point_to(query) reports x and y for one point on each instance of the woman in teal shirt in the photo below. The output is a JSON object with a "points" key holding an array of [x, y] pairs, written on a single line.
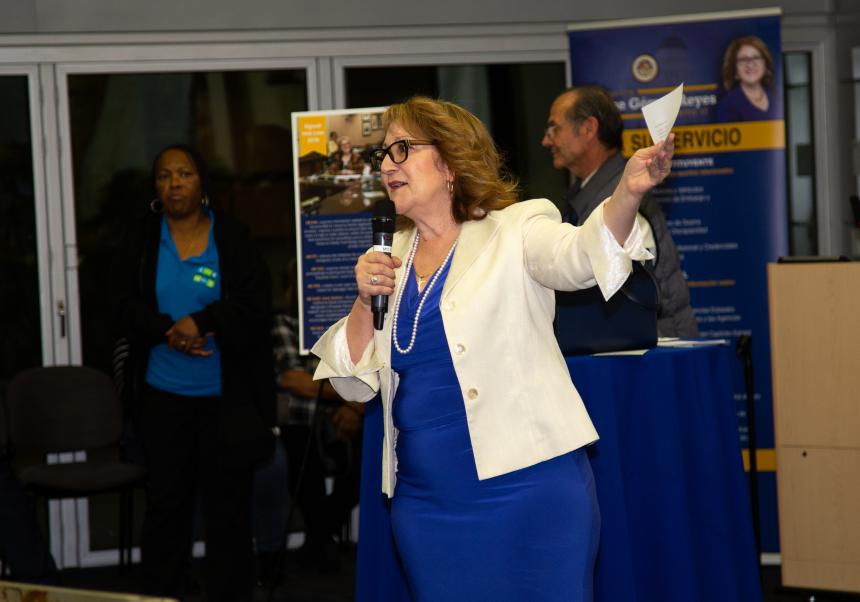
{"points": [[194, 301]]}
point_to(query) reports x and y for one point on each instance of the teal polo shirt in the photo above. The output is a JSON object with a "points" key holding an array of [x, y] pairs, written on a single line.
{"points": [[181, 288]]}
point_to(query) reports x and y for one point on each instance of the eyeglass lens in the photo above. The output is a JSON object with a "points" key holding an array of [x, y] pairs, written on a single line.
{"points": [[398, 151], [748, 60]]}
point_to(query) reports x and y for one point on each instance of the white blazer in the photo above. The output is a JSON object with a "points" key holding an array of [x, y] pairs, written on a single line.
{"points": [[497, 308]]}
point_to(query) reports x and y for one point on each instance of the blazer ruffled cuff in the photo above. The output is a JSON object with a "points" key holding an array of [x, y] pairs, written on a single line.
{"points": [[613, 263], [353, 381]]}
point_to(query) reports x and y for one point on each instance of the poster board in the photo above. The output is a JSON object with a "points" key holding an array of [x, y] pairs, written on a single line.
{"points": [[335, 189]]}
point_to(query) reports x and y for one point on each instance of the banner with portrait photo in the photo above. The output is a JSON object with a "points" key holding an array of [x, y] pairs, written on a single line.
{"points": [[725, 202], [335, 189]]}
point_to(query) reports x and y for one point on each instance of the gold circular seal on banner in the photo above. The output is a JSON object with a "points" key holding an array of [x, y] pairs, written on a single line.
{"points": [[644, 68]]}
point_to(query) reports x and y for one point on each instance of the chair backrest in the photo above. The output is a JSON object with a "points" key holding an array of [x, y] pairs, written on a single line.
{"points": [[62, 408]]}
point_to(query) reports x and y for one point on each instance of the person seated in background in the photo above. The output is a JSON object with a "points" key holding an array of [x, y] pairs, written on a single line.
{"points": [[321, 439], [584, 134], [346, 159]]}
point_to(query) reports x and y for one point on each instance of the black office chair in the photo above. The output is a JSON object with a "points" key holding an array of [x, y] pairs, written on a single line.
{"points": [[53, 410]]}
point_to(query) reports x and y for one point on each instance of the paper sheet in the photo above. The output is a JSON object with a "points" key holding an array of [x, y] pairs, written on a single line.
{"points": [[660, 115]]}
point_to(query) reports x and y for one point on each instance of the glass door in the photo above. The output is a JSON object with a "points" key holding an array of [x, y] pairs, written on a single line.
{"points": [[21, 346], [118, 116], [32, 292], [511, 97]]}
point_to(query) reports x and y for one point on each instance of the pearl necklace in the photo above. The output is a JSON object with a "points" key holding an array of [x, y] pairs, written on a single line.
{"points": [[424, 294]]}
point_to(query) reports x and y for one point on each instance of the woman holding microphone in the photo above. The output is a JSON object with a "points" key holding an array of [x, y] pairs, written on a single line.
{"points": [[492, 492]]}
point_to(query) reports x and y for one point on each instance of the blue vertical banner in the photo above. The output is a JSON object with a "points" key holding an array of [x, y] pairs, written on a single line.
{"points": [[725, 201]]}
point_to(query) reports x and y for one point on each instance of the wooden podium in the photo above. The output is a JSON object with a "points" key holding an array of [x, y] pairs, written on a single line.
{"points": [[815, 357]]}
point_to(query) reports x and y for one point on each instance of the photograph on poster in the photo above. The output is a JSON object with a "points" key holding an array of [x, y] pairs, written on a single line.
{"points": [[335, 190], [334, 171], [747, 75]]}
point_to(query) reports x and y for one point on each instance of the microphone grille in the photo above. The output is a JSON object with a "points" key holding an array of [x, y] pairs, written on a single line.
{"points": [[384, 209]]}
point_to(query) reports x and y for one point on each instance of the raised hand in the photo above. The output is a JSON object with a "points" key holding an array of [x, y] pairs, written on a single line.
{"points": [[648, 167], [645, 169]]}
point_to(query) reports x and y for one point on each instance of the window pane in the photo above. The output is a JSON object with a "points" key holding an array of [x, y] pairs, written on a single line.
{"points": [[800, 155], [21, 341], [512, 101], [240, 122]]}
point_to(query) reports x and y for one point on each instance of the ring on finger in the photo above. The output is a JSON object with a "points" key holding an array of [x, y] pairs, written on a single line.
{"points": [[374, 279]]}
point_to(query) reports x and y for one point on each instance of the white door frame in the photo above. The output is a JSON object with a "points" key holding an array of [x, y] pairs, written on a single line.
{"points": [[49, 237]]}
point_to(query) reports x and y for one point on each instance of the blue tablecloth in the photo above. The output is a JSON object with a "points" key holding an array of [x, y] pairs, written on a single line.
{"points": [[676, 523]]}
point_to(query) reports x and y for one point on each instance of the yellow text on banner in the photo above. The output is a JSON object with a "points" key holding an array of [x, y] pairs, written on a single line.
{"points": [[715, 137], [312, 134]]}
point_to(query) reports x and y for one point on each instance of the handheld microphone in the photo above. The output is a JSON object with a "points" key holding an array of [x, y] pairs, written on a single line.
{"points": [[383, 235]]}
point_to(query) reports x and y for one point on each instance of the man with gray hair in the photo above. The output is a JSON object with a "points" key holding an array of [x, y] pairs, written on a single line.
{"points": [[584, 134]]}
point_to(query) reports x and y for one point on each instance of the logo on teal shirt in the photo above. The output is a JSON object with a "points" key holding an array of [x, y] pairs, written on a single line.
{"points": [[206, 276]]}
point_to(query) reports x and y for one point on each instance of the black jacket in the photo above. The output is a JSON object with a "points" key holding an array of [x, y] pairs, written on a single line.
{"points": [[240, 321]]}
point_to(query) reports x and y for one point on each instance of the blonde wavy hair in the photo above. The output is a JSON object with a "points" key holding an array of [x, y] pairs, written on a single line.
{"points": [[480, 183]]}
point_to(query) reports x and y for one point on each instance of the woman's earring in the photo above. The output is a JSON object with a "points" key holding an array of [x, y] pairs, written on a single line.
{"points": [[155, 205], [204, 200], [451, 188]]}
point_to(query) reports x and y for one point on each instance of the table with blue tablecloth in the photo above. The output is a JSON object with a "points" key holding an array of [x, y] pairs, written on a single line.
{"points": [[675, 513]]}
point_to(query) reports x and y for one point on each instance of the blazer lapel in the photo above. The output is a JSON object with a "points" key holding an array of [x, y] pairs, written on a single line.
{"points": [[474, 236]]}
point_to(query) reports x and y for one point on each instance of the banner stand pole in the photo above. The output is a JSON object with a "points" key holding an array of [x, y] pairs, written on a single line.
{"points": [[744, 352]]}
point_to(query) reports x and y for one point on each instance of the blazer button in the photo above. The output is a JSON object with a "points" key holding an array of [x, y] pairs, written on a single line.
{"points": [[472, 394], [459, 349]]}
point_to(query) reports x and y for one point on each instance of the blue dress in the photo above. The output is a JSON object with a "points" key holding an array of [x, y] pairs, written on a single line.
{"points": [[530, 534]]}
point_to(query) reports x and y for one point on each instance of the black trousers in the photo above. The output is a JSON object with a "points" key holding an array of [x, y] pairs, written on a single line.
{"points": [[185, 459]]}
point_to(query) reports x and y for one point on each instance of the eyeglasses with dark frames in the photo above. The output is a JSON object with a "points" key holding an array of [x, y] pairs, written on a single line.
{"points": [[397, 150], [749, 60]]}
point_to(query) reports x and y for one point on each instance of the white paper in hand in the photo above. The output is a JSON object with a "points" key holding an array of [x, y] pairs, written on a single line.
{"points": [[660, 115]]}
